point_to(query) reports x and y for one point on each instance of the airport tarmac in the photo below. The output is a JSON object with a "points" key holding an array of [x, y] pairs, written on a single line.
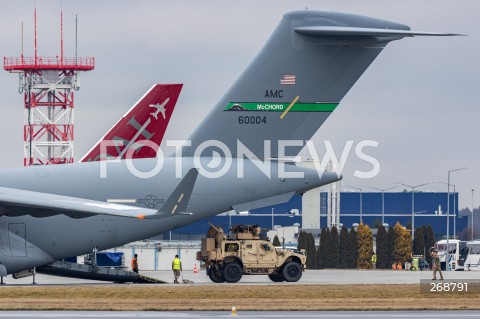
{"points": [[244, 314], [327, 276]]}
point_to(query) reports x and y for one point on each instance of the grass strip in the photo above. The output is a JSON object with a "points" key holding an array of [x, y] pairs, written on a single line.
{"points": [[223, 297]]}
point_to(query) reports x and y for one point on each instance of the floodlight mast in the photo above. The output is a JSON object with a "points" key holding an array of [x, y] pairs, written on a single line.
{"points": [[48, 85], [447, 256]]}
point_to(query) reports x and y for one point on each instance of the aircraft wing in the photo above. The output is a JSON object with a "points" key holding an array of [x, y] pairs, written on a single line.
{"points": [[17, 202]]}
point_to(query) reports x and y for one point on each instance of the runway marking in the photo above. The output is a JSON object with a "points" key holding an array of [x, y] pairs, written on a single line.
{"points": [[249, 314]]}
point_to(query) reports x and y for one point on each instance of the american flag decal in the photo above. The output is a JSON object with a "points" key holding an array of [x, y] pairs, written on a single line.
{"points": [[287, 79]]}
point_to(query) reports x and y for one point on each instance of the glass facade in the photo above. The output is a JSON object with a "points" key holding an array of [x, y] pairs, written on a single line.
{"points": [[430, 209]]}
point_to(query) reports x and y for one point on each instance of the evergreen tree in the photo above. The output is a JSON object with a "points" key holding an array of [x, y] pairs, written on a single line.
{"points": [[276, 241], [382, 248], [318, 258], [322, 248], [377, 223], [365, 247], [409, 225], [403, 244], [429, 243], [302, 241], [390, 246], [326, 251], [328, 247], [425, 238], [424, 232], [418, 242], [352, 249], [343, 248], [311, 252], [334, 248]]}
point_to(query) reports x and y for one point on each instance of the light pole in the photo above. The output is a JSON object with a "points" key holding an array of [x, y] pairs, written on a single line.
{"points": [[413, 201], [472, 215], [361, 209], [454, 212], [416, 213], [272, 218], [454, 208], [383, 199], [447, 256]]}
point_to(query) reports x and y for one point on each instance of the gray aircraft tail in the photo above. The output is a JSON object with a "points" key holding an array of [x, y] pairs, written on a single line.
{"points": [[297, 80]]}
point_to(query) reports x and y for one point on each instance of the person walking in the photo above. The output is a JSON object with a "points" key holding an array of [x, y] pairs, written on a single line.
{"points": [[374, 260], [436, 265], [177, 268], [135, 263]]}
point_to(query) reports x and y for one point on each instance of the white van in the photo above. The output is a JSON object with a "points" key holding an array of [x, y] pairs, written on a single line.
{"points": [[457, 253], [472, 262]]}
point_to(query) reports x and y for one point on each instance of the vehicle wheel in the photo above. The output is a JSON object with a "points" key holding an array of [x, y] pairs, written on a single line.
{"points": [[276, 277], [232, 272], [292, 272], [216, 275]]}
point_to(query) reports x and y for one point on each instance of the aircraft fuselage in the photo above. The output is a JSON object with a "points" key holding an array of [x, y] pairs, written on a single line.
{"points": [[28, 241]]}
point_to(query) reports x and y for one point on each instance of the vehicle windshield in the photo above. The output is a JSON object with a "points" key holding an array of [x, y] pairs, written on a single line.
{"points": [[441, 248], [474, 249]]}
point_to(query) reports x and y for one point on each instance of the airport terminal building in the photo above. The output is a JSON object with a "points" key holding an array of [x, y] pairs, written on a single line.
{"points": [[430, 208]]}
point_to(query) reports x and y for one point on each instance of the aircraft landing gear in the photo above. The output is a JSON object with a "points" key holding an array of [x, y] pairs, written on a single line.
{"points": [[34, 273]]}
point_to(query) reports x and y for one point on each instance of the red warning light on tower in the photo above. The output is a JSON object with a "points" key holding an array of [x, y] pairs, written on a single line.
{"points": [[48, 85]]}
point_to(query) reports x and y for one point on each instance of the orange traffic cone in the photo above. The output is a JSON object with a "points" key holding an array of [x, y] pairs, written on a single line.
{"points": [[195, 270]]}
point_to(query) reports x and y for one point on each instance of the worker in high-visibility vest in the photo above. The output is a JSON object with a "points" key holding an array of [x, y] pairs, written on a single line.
{"points": [[374, 260], [135, 263], [177, 268]]}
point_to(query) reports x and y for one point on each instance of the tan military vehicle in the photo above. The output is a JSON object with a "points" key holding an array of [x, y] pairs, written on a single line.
{"points": [[242, 252]]}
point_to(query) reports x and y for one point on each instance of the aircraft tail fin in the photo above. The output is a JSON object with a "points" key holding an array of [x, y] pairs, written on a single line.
{"points": [[147, 120], [177, 202], [297, 80]]}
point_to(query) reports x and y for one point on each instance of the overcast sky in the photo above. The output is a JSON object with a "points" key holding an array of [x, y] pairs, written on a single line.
{"points": [[419, 99]]}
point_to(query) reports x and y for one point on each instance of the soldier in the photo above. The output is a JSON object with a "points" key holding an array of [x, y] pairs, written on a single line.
{"points": [[436, 265], [177, 268]]}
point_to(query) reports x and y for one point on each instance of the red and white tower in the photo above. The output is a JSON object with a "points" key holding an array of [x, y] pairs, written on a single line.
{"points": [[48, 85]]}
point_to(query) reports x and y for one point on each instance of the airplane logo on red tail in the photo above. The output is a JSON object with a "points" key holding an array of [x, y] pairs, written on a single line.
{"points": [[140, 125], [160, 108]]}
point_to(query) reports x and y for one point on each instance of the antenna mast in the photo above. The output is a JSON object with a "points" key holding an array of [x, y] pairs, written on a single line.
{"points": [[61, 32], [48, 85]]}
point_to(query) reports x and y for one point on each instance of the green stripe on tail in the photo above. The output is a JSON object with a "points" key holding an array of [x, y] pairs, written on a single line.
{"points": [[280, 107]]}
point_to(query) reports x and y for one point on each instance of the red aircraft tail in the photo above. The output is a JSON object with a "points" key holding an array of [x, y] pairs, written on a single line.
{"points": [[147, 120]]}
